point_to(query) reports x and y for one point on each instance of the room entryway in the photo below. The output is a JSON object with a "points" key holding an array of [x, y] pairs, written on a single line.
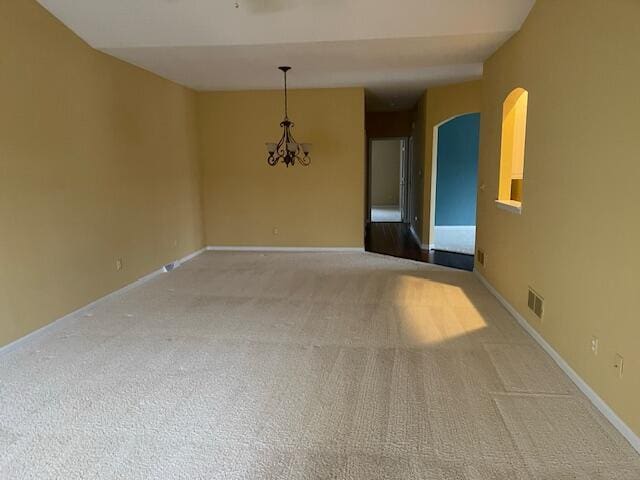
{"points": [[397, 240], [455, 175], [391, 205], [388, 180]]}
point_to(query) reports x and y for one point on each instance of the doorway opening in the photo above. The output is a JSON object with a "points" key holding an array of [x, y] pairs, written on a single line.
{"points": [[392, 204], [388, 185], [454, 184]]}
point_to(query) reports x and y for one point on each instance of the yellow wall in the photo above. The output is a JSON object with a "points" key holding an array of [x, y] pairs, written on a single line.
{"points": [[322, 205], [441, 104], [577, 240], [98, 161]]}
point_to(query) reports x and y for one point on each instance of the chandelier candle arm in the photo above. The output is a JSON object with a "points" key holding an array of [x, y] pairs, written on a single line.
{"points": [[287, 150]]}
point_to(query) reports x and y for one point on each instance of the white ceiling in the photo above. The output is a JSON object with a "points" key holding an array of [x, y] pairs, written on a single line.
{"points": [[393, 48]]}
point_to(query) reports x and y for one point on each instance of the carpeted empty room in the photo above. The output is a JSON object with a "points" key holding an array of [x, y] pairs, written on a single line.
{"points": [[299, 366], [319, 240]]}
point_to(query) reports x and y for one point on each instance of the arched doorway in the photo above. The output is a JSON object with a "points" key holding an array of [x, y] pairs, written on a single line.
{"points": [[454, 184]]}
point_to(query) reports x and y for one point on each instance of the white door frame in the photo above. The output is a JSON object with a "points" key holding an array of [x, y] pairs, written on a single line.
{"points": [[411, 207], [404, 180]]}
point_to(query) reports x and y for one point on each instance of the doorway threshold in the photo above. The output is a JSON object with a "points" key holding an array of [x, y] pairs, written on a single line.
{"points": [[396, 240]]}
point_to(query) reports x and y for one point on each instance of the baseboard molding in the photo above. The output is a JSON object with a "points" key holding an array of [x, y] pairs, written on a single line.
{"points": [[59, 323], [286, 249], [191, 256], [595, 399]]}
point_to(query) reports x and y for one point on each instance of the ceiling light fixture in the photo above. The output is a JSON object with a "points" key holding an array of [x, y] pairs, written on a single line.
{"points": [[287, 150]]}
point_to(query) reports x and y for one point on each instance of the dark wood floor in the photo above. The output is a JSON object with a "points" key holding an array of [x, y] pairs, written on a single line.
{"points": [[395, 239]]}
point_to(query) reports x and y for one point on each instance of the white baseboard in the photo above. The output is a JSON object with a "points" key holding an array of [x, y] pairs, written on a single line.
{"points": [[59, 323], [287, 249], [600, 404], [191, 256]]}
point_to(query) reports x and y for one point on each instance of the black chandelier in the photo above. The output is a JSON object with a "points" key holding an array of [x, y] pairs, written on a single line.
{"points": [[287, 150]]}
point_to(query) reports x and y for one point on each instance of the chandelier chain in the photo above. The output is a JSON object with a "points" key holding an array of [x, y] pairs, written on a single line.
{"points": [[287, 150], [286, 98]]}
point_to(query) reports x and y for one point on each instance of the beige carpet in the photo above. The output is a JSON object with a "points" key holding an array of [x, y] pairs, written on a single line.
{"points": [[299, 366]]}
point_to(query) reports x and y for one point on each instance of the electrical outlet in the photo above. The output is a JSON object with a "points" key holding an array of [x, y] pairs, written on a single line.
{"points": [[175, 242], [276, 231], [119, 264], [595, 344], [619, 365]]}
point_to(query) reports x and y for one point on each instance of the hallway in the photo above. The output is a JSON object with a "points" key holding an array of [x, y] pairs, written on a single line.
{"points": [[396, 240]]}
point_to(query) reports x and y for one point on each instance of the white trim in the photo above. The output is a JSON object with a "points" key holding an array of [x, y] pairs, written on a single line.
{"points": [[510, 206], [189, 257], [59, 323], [287, 249], [434, 179], [600, 404]]}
